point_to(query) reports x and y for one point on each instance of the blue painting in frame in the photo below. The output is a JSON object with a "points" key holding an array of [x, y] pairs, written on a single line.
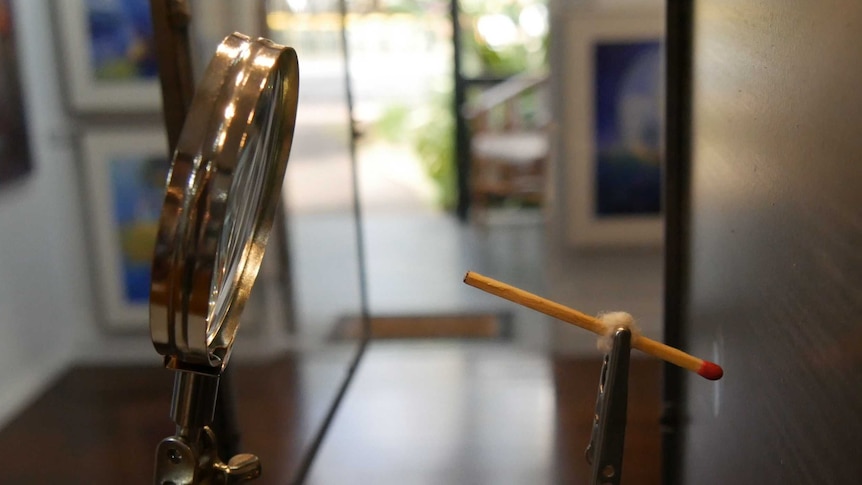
{"points": [[122, 42], [125, 170], [108, 51], [137, 192], [628, 128]]}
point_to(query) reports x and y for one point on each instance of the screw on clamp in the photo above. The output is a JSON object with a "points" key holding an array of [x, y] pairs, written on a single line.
{"points": [[191, 456], [179, 462]]}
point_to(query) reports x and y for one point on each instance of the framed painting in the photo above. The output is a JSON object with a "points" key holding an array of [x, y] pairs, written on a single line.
{"points": [[614, 115], [109, 52], [125, 175], [14, 146]]}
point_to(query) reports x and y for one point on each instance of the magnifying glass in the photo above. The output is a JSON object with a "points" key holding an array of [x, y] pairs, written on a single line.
{"points": [[223, 188]]}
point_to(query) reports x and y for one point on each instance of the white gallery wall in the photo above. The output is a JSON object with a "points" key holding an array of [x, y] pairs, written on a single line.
{"points": [[634, 272], [45, 307], [49, 316]]}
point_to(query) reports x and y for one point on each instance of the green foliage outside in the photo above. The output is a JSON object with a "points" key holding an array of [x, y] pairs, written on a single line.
{"points": [[430, 131], [480, 58], [435, 143]]}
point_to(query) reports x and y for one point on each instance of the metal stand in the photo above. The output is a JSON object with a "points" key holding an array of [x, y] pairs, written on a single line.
{"points": [[605, 451], [191, 456]]}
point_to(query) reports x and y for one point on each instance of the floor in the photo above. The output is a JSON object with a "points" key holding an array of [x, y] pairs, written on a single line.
{"points": [[416, 264]]}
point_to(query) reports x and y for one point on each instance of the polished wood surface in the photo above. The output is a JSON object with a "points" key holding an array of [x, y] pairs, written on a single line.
{"points": [[773, 281], [100, 425], [480, 413]]}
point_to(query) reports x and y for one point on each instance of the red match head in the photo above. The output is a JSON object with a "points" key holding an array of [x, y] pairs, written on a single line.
{"points": [[711, 371]]}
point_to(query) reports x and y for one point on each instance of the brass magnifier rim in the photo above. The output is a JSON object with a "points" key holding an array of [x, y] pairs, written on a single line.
{"points": [[246, 103]]}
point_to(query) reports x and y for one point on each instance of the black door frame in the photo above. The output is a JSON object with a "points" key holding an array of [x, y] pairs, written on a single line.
{"points": [[679, 60]]}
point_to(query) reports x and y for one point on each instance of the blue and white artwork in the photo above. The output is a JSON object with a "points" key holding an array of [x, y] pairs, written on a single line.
{"points": [[122, 43], [628, 128], [137, 193]]}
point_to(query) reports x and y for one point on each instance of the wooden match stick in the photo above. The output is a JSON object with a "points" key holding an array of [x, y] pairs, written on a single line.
{"points": [[704, 368]]}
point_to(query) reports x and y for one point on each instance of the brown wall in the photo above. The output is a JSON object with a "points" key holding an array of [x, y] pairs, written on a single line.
{"points": [[774, 274]]}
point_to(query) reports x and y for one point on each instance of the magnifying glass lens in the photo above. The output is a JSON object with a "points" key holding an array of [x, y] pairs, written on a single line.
{"points": [[223, 191], [243, 205]]}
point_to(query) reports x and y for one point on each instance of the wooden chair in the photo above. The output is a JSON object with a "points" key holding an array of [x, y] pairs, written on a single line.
{"points": [[509, 146]]}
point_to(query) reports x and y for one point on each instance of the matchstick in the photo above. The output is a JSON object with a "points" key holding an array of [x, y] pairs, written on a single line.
{"points": [[704, 368]]}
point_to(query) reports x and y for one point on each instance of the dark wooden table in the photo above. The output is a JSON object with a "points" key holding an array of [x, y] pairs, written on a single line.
{"points": [[416, 413]]}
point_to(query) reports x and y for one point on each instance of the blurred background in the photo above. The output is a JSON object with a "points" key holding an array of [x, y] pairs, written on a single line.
{"points": [[522, 139]]}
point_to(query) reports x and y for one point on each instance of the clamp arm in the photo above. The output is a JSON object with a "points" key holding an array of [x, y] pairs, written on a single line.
{"points": [[605, 451]]}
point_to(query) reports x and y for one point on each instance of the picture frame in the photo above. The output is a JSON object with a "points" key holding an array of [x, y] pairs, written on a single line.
{"points": [[125, 172], [108, 49], [614, 125], [15, 158]]}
